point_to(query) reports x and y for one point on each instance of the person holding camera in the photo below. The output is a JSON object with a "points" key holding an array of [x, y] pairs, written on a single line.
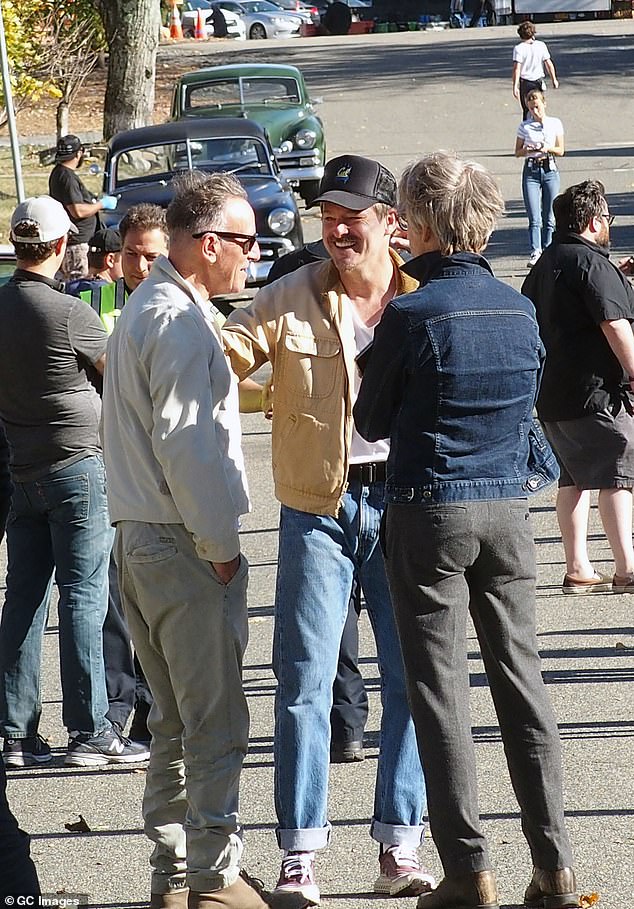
{"points": [[540, 141]]}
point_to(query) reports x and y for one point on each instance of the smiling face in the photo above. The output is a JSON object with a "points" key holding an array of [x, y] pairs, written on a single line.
{"points": [[232, 266], [353, 238]]}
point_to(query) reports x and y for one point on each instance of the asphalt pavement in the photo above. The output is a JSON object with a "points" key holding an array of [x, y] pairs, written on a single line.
{"points": [[394, 97]]}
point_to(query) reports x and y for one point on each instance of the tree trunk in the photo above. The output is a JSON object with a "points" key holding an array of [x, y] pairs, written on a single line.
{"points": [[61, 118], [132, 32]]}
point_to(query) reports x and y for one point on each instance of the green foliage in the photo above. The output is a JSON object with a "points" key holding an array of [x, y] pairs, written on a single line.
{"points": [[52, 45]]}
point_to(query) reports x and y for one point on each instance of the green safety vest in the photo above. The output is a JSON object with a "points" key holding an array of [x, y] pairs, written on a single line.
{"points": [[107, 300]]}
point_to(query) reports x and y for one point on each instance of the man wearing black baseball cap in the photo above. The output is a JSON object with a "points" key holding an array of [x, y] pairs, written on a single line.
{"points": [[104, 263], [81, 205], [311, 324]]}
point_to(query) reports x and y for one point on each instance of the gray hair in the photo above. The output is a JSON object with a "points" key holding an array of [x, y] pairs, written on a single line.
{"points": [[459, 201], [199, 201]]}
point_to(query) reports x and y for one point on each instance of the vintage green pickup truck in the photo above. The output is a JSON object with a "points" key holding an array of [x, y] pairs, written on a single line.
{"points": [[275, 96]]}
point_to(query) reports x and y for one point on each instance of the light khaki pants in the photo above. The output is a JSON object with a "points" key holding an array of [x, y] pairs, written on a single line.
{"points": [[190, 632]]}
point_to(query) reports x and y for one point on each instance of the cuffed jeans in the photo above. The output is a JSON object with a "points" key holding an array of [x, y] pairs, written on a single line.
{"points": [[444, 561], [190, 632], [539, 188], [59, 522], [318, 556]]}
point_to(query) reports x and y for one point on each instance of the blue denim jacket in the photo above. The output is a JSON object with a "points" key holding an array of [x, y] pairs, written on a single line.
{"points": [[452, 380]]}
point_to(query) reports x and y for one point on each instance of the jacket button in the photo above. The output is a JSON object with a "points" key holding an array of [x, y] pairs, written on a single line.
{"points": [[427, 494]]}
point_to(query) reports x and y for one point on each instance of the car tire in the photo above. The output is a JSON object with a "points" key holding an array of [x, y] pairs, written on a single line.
{"points": [[309, 190], [257, 32]]}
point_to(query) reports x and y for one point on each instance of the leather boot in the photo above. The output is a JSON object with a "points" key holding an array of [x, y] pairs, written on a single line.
{"points": [[246, 893], [177, 899], [552, 890], [475, 890]]}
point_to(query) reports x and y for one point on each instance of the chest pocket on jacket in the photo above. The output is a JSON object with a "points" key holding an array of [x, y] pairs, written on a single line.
{"points": [[310, 365]]}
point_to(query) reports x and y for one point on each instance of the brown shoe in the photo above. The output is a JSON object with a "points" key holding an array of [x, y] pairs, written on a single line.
{"points": [[246, 893], [177, 899], [476, 890], [552, 890]]}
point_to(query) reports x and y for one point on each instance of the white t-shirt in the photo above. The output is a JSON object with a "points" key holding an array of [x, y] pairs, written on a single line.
{"points": [[531, 55], [532, 132], [361, 451]]}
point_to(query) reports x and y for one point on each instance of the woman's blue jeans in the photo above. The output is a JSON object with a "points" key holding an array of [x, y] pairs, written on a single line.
{"points": [[318, 556], [58, 529], [539, 188]]}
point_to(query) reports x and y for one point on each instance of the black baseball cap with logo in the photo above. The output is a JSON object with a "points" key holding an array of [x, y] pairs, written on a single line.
{"points": [[356, 183], [105, 240], [67, 147]]}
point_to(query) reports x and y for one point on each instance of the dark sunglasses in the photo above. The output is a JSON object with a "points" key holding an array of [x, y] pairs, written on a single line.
{"points": [[246, 242]]}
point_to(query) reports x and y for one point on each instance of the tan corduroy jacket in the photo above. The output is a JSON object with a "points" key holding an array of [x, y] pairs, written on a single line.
{"points": [[303, 325]]}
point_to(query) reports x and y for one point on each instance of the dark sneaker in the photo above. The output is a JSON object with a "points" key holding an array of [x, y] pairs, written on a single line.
{"points": [[109, 747], [26, 752], [346, 752], [402, 873]]}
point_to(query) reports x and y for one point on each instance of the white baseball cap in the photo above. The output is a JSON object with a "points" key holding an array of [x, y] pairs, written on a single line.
{"points": [[47, 215]]}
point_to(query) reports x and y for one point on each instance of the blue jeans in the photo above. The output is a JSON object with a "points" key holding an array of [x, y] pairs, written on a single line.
{"points": [[318, 556], [58, 523], [539, 188]]}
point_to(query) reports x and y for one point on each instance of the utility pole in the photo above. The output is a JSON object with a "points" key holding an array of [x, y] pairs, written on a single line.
{"points": [[8, 101]]}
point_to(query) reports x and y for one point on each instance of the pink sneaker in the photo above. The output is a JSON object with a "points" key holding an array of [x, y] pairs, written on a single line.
{"points": [[297, 875], [402, 873]]}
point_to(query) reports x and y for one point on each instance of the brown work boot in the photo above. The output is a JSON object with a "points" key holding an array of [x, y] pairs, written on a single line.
{"points": [[475, 890], [177, 899], [246, 893], [552, 890]]}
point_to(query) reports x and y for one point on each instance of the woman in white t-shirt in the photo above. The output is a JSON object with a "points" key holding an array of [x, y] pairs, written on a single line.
{"points": [[540, 141], [531, 61]]}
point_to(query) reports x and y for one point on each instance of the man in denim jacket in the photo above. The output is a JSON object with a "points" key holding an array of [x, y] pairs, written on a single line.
{"points": [[452, 379]]}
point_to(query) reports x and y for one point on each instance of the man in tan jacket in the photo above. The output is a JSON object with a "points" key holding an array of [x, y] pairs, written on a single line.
{"points": [[311, 325]]}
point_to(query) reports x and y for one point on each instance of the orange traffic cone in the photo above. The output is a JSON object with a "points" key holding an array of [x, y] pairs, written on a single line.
{"points": [[200, 33], [176, 28]]}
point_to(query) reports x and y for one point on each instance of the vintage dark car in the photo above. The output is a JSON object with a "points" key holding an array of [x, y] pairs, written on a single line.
{"points": [[140, 165], [275, 96]]}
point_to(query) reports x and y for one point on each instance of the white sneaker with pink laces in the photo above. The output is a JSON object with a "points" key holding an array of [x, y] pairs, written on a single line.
{"points": [[297, 875], [402, 873]]}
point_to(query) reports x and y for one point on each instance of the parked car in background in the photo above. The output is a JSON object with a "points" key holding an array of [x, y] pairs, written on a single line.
{"points": [[264, 19], [275, 96], [360, 9], [306, 11], [141, 164], [236, 27]]}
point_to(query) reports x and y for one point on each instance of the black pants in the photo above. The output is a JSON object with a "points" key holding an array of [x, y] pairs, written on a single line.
{"points": [[444, 562], [125, 682], [349, 712], [18, 876]]}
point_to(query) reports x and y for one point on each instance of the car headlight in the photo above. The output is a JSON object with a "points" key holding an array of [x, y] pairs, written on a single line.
{"points": [[281, 221], [279, 21], [305, 138]]}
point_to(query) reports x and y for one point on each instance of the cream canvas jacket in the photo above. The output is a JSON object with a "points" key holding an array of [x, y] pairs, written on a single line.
{"points": [[302, 324]]}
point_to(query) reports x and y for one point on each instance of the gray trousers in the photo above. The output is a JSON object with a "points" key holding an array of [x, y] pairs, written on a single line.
{"points": [[444, 561], [190, 632]]}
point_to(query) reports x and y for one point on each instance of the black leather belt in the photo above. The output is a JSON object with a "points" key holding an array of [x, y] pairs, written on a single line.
{"points": [[369, 472]]}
